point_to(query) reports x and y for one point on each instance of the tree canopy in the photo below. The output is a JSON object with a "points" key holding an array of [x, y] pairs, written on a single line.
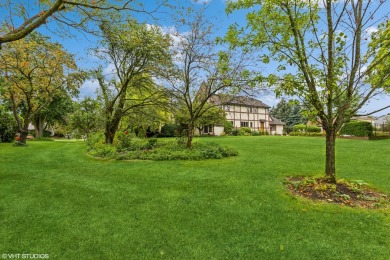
{"points": [[35, 70], [22, 19], [321, 49]]}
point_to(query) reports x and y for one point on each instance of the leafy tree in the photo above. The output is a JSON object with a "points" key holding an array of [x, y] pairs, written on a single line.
{"points": [[202, 70], [72, 13], [322, 44], [35, 71], [137, 52], [86, 116], [288, 112], [55, 112], [7, 125]]}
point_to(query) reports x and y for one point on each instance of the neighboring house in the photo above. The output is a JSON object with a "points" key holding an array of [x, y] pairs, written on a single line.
{"points": [[382, 120], [246, 112]]}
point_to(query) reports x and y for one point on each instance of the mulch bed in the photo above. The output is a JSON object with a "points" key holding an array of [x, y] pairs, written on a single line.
{"points": [[352, 194]]}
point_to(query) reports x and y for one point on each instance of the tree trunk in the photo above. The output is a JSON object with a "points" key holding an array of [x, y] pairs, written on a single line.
{"points": [[330, 164], [23, 136], [39, 125], [190, 134], [109, 134]]}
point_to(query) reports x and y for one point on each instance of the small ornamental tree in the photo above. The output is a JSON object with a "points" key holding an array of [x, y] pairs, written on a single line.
{"points": [[202, 69], [324, 55]]}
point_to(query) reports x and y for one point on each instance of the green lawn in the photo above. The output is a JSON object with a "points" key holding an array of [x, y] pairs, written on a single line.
{"points": [[56, 200]]}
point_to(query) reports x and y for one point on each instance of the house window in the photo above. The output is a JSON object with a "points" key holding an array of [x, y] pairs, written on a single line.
{"points": [[251, 124], [244, 124], [273, 127], [232, 123], [208, 129], [227, 108]]}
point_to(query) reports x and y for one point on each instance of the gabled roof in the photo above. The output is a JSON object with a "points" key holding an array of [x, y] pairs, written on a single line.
{"points": [[239, 100], [275, 121]]}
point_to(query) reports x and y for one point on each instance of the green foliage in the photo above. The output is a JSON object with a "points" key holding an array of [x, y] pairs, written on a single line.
{"points": [[170, 130], [245, 131], [7, 126], [357, 128], [177, 151], [86, 116], [306, 134], [299, 128], [289, 113], [306, 128], [313, 129], [228, 127], [127, 146], [235, 132]]}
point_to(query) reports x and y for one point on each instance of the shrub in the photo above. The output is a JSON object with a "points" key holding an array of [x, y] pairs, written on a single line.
{"points": [[235, 132], [7, 126], [313, 129], [256, 133], [299, 128], [46, 133], [228, 127], [103, 150], [122, 140], [170, 130], [306, 134], [357, 128], [245, 131]]}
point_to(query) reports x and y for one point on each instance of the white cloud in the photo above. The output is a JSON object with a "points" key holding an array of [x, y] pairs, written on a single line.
{"points": [[89, 88], [371, 30]]}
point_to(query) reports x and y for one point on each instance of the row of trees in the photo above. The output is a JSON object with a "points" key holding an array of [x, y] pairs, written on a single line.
{"points": [[322, 49], [151, 74]]}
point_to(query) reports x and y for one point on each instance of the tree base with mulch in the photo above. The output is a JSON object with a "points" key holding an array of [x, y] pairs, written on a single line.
{"points": [[352, 193]]}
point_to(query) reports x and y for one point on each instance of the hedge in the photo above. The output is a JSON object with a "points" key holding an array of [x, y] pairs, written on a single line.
{"points": [[357, 128]]}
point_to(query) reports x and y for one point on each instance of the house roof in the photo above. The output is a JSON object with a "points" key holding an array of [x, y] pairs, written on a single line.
{"points": [[275, 121], [382, 119], [240, 100]]}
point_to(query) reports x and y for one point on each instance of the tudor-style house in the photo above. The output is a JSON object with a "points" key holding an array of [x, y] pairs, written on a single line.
{"points": [[244, 111]]}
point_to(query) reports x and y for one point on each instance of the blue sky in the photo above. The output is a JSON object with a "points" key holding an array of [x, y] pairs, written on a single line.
{"points": [[215, 10]]}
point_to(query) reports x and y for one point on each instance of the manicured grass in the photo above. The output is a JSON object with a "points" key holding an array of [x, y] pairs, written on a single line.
{"points": [[56, 200]]}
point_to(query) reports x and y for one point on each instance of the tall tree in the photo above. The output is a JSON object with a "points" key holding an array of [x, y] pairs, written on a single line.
{"points": [[137, 52], [21, 18], [86, 116], [288, 112], [56, 111], [323, 45], [203, 69], [35, 70]]}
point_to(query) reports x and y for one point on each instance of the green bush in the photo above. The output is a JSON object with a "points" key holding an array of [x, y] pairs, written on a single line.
{"points": [[357, 128], [313, 129], [235, 132], [299, 128], [256, 133], [7, 126], [170, 130], [245, 131], [306, 134], [103, 150], [228, 127], [122, 140], [306, 128]]}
